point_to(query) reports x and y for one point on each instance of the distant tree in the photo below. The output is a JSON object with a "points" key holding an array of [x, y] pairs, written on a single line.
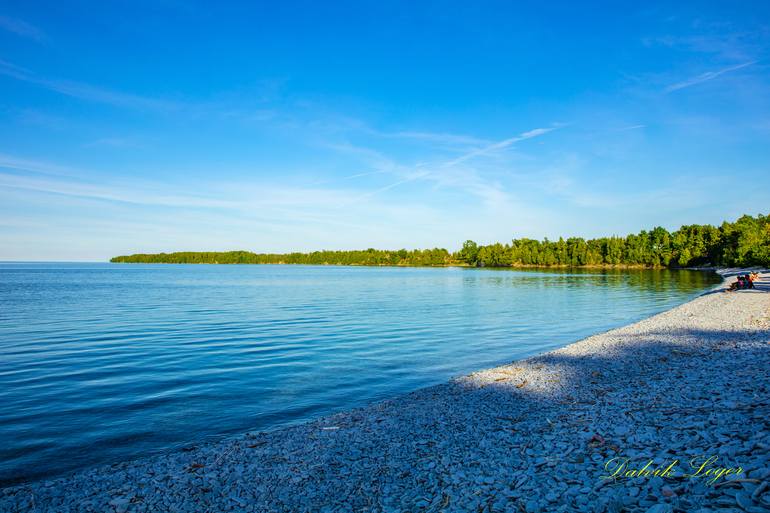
{"points": [[469, 253], [744, 242]]}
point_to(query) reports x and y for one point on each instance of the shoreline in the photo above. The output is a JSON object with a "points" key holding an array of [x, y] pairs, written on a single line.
{"points": [[535, 434], [460, 265]]}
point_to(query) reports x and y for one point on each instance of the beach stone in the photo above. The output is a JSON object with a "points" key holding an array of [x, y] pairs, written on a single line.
{"points": [[744, 500], [660, 508], [120, 505], [532, 506]]}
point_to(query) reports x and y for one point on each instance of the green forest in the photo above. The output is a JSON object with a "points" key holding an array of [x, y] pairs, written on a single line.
{"points": [[745, 242]]}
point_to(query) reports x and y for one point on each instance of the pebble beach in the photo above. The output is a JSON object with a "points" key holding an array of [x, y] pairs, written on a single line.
{"points": [[670, 414]]}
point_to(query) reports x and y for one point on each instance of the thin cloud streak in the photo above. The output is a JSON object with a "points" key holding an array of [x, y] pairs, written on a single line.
{"points": [[22, 28], [114, 142], [34, 166], [85, 91], [705, 77], [499, 145], [251, 201], [456, 142], [280, 208], [448, 173], [121, 195], [441, 138], [388, 187]]}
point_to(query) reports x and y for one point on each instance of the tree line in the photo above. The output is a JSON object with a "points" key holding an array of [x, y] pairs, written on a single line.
{"points": [[745, 242], [415, 257]]}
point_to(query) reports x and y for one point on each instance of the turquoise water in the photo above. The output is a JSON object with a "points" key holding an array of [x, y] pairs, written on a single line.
{"points": [[106, 362]]}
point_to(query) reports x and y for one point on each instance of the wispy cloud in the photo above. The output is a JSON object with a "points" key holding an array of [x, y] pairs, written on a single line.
{"points": [[437, 137], [491, 148], [295, 202], [87, 92], [113, 142], [720, 41], [460, 173], [379, 164], [442, 173], [115, 194], [321, 217], [39, 118], [22, 164], [336, 123], [46, 177], [705, 77], [22, 28], [415, 176]]}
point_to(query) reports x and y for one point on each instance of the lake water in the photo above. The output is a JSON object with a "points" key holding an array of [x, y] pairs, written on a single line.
{"points": [[106, 362]]}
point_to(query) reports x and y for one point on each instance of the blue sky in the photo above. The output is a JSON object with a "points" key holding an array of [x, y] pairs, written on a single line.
{"points": [[276, 126]]}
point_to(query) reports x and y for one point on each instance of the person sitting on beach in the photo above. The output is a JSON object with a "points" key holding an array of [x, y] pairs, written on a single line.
{"points": [[744, 281]]}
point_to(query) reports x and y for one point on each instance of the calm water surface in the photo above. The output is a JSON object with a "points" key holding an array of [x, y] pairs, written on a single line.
{"points": [[106, 362]]}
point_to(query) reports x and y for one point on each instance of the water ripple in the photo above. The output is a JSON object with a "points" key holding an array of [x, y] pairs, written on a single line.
{"points": [[102, 363]]}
